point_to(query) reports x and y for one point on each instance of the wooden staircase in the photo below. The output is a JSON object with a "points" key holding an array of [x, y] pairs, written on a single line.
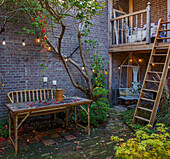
{"points": [[154, 80]]}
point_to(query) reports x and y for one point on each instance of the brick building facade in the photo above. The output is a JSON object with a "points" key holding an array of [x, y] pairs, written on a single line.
{"points": [[20, 66]]}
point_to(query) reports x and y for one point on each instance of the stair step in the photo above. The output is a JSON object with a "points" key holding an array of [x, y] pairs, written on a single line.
{"points": [[152, 81], [150, 100], [159, 55], [162, 46], [154, 72], [165, 22], [138, 117], [150, 90], [164, 30], [156, 63], [149, 110], [163, 38]]}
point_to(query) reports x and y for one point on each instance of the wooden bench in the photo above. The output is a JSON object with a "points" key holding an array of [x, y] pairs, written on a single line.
{"points": [[36, 95]]}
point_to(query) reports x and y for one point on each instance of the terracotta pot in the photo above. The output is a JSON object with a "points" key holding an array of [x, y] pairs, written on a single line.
{"points": [[59, 94]]}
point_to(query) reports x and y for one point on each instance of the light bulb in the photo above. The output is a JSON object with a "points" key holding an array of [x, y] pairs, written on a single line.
{"points": [[38, 40], [93, 70], [4, 42], [140, 60], [119, 67], [130, 60], [169, 67], [49, 48], [23, 43], [153, 64], [66, 59], [82, 68]]}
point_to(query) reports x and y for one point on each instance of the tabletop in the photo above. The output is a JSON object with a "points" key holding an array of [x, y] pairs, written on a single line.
{"points": [[46, 104]]}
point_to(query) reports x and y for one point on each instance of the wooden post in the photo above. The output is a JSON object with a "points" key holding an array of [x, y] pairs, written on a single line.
{"points": [[110, 75], [148, 24], [130, 11], [130, 72], [75, 113], [88, 110], [67, 117], [110, 27], [130, 6], [16, 133], [9, 124]]}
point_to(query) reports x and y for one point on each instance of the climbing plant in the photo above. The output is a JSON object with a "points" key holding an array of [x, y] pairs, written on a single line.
{"points": [[46, 16]]}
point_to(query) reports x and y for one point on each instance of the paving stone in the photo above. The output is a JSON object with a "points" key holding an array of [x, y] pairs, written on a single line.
{"points": [[48, 142], [46, 154], [69, 137], [56, 135], [33, 140], [65, 133]]}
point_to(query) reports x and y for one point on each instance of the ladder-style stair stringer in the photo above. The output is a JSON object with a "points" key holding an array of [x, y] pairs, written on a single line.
{"points": [[147, 80]]}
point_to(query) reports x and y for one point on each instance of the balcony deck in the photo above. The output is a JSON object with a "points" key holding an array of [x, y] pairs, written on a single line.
{"points": [[139, 47]]}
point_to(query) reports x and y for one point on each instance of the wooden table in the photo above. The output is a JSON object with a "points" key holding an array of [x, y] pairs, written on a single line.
{"points": [[35, 108]]}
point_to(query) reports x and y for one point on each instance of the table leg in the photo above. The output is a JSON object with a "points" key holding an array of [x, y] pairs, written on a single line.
{"points": [[9, 124], [67, 117], [88, 110], [15, 133], [75, 112]]}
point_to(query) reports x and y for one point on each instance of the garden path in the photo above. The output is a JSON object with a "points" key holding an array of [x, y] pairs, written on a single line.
{"points": [[47, 141]]}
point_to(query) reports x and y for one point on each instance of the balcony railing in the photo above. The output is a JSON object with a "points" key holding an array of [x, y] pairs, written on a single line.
{"points": [[130, 28]]}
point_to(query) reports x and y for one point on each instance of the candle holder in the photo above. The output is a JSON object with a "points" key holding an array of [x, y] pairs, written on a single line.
{"points": [[45, 79], [54, 84]]}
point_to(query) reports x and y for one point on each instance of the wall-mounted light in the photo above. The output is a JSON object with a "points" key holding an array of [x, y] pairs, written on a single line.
{"points": [[130, 60], [4, 42], [119, 67], [38, 39], [140, 59], [23, 42]]}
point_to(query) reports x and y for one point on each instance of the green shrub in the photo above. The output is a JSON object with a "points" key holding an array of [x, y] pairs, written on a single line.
{"points": [[98, 113], [100, 106], [149, 143], [3, 129]]}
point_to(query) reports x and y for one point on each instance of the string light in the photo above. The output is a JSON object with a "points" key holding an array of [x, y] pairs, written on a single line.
{"points": [[23, 42], [66, 59], [130, 60], [38, 40], [169, 67], [140, 59], [93, 70], [4, 42], [153, 64], [82, 68], [119, 67], [49, 48]]}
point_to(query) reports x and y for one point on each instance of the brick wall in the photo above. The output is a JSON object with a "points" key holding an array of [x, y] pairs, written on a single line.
{"points": [[123, 4], [158, 8], [20, 66]]}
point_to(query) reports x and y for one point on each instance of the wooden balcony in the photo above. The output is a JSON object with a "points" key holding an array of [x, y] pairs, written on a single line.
{"points": [[139, 47], [134, 32]]}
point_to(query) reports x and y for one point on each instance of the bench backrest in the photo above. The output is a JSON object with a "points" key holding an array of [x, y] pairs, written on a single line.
{"points": [[31, 95]]}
